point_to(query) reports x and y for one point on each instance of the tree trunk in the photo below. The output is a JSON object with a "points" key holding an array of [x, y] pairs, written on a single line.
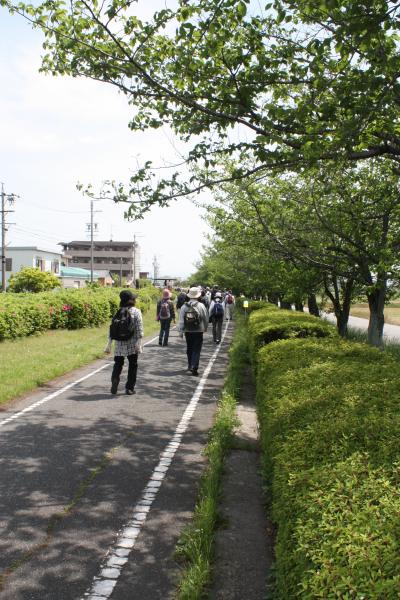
{"points": [[286, 305], [299, 306], [313, 306], [342, 310], [376, 302], [273, 299]]}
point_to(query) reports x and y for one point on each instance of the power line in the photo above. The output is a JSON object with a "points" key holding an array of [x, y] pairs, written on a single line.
{"points": [[38, 234], [58, 210]]}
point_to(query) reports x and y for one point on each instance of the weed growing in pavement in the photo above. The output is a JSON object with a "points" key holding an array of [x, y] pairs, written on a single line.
{"points": [[196, 545]]}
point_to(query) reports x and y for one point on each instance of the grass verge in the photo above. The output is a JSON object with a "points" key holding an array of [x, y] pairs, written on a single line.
{"points": [[32, 361], [392, 312], [196, 545]]}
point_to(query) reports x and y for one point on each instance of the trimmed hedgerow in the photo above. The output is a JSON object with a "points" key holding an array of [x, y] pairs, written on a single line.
{"points": [[26, 314], [329, 414], [269, 324], [254, 304]]}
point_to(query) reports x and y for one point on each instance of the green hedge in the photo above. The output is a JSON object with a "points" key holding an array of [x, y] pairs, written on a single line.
{"points": [[253, 304], [329, 415], [26, 314], [270, 323]]}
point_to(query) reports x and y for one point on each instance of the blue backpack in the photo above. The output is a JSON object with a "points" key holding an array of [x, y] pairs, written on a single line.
{"points": [[218, 310]]}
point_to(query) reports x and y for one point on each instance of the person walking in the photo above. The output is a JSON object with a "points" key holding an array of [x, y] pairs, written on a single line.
{"points": [[165, 314], [204, 298], [127, 323], [217, 313], [229, 303], [193, 322], [181, 299]]}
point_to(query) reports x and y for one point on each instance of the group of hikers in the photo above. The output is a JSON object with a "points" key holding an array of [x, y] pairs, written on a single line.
{"points": [[197, 307]]}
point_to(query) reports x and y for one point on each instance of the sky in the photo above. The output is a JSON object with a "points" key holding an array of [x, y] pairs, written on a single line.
{"points": [[58, 131]]}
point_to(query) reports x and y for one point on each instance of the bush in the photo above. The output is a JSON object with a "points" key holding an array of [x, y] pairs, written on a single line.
{"points": [[329, 415], [254, 304], [26, 314], [270, 323], [30, 279]]}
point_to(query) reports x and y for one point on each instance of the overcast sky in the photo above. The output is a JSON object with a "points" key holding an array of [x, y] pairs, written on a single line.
{"points": [[55, 132]]}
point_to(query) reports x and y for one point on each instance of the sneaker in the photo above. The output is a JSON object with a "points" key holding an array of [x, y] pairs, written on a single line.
{"points": [[159, 342], [129, 392], [195, 372], [114, 387], [166, 344]]}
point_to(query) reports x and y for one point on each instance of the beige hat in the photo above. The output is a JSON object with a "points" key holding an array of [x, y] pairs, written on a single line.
{"points": [[194, 292]]}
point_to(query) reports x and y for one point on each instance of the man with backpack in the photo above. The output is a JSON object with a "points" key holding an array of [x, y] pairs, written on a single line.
{"points": [[217, 316], [193, 322], [165, 314], [229, 303], [127, 330]]}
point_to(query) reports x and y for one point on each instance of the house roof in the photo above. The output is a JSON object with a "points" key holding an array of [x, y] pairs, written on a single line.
{"points": [[76, 272], [101, 273], [97, 242], [35, 248]]}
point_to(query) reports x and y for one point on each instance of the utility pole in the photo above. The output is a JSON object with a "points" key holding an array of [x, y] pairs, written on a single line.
{"points": [[134, 260], [91, 226], [120, 271], [10, 199]]}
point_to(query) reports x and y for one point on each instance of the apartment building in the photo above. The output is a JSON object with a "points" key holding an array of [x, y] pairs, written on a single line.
{"points": [[119, 258]]}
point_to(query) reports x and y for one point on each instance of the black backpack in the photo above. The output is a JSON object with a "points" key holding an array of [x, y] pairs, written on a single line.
{"points": [[122, 325], [191, 318], [181, 300]]}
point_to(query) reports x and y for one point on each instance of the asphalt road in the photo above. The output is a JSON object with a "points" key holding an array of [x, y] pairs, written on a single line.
{"points": [[390, 332], [95, 489]]}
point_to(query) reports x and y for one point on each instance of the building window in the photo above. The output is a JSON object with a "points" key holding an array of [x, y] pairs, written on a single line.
{"points": [[55, 266], [40, 264]]}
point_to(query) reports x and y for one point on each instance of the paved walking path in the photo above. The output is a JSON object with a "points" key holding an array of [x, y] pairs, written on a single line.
{"points": [[95, 489], [244, 546]]}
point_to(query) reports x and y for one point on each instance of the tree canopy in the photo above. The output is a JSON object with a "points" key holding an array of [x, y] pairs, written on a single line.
{"points": [[285, 85]]}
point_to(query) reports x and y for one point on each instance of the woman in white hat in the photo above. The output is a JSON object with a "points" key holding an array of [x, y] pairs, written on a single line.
{"points": [[193, 322]]}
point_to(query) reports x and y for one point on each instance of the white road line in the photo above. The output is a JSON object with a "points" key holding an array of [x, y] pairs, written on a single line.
{"points": [[28, 409], [118, 555]]}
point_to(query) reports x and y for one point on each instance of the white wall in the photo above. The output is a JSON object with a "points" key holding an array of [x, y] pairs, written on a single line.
{"points": [[27, 258]]}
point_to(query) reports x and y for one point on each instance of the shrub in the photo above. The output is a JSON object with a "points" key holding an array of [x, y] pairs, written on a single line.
{"points": [[269, 324], [26, 314], [254, 304], [330, 430], [30, 279]]}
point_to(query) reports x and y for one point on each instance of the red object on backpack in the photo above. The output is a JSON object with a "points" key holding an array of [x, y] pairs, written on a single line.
{"points": [[229, 299]]}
